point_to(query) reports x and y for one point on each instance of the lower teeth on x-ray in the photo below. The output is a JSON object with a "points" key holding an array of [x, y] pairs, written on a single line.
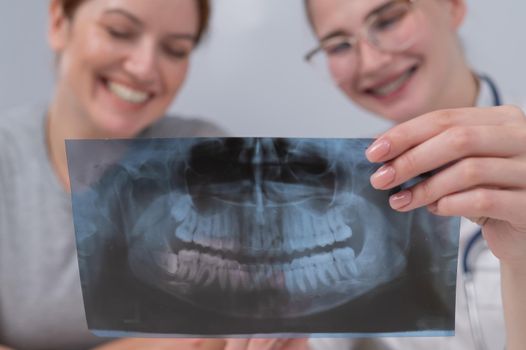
{"points": [[172, 233]]}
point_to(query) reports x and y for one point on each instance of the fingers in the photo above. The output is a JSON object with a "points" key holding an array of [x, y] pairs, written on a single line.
{"points": [[162, 344], [237, 344], [463, 175], [505, 205], [407, 135], [449, 146], [267, 344], [297, 344]]}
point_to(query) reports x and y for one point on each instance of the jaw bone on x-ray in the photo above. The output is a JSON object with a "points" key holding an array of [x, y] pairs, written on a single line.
{"points": [[224, 236]]}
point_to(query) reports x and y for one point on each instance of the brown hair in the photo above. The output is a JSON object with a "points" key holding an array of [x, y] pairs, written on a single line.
{"points": [[203, 6]]}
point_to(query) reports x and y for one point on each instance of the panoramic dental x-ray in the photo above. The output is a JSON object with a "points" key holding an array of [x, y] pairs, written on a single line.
{"points": [[238, 236]]}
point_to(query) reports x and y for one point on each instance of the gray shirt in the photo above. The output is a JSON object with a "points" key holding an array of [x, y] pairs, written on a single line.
{"points": [[40, 297]]}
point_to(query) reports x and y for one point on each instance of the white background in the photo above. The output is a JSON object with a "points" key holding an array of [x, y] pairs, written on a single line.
{"points": [[249, 76]]}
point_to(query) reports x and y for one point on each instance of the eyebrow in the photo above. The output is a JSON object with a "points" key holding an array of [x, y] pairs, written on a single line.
{"points": [[380, 9], [333, 34], [374, 12], [139, 23]]}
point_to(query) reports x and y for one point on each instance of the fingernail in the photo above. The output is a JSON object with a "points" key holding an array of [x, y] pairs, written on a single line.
{"points": [[400, 200], [380, 148], [383, 176]]}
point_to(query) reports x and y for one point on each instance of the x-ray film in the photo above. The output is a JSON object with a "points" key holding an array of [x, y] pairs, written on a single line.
{"points": [[240, 236]]}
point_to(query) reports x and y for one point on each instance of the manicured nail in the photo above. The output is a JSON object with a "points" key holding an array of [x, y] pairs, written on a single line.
{"points": [[380, 148], [400, 200], [383, 176]]}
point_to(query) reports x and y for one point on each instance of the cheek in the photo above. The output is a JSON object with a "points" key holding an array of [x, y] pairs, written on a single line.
{"points": [[97, 52], [174, 75], [84, 55], [342, 72]]}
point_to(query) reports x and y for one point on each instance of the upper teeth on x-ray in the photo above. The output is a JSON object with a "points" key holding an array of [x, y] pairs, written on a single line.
{"points": [[254, 228]]}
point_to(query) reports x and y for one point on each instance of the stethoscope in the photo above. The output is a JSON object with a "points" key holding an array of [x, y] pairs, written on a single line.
{"points": [[474, 247]]}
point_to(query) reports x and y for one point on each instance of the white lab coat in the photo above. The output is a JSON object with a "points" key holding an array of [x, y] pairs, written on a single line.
{"points": [[489, 301]]}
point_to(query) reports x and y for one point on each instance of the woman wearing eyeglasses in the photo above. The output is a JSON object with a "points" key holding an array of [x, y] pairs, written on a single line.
{"points": [[403, 60], [119, 64]]}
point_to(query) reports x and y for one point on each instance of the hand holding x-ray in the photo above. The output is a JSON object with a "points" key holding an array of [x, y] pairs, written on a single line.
{"points": [[482, 156]]}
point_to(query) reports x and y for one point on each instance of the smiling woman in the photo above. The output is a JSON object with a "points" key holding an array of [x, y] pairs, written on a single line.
{"points": [[402, 60], [120, 63]]}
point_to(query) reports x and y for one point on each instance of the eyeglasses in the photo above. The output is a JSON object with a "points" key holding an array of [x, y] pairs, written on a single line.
{"points": [[392, 27]]}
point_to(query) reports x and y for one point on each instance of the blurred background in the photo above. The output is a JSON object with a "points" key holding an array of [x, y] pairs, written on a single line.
{"points": [[249, 75]]}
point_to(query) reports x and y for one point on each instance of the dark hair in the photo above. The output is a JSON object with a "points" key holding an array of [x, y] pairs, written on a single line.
{"points": [[203, 6]]}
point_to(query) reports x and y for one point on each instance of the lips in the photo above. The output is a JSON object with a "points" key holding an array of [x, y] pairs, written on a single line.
{"points": [[391, 85], [125, 93]]}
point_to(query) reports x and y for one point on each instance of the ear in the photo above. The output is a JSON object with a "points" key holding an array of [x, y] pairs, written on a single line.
{"points": [[457, 9], [57, 26]]}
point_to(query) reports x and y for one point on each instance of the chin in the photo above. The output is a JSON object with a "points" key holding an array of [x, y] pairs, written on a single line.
{"points": [[398, 112], [121, 124]]}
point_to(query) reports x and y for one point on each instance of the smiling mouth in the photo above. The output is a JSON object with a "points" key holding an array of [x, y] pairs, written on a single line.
{"points": [[394, 85], [126, 93]]}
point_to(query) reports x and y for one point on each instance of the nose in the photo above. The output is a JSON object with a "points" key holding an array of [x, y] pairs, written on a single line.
{"points": [[142, 62], [371, 58]]}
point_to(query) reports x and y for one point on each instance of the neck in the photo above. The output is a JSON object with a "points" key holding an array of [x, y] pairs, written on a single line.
{"points": [[462, 90], [63, 122]]}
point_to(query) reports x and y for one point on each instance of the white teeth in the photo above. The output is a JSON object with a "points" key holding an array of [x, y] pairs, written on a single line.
{"points": [[345, 262], [325, 266], [229, 244], [307, 231], [339, 229], [275, 230], [343, 233], [189, 261], [300, 280], [392, 86], [278, 276], [301, 276], [127, 94], [310, 273], [257, 276], [180, 207], [168, 262], [299, 273], [268, 272], [295, 230], [201, 234], [323, 234], [215, 230], [182, 272], [288, 273], [185, 231], [255, 237], [207, 269]]}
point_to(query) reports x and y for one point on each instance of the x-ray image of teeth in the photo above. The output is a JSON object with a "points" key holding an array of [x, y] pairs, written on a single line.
{"points": [[233, 236]]}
